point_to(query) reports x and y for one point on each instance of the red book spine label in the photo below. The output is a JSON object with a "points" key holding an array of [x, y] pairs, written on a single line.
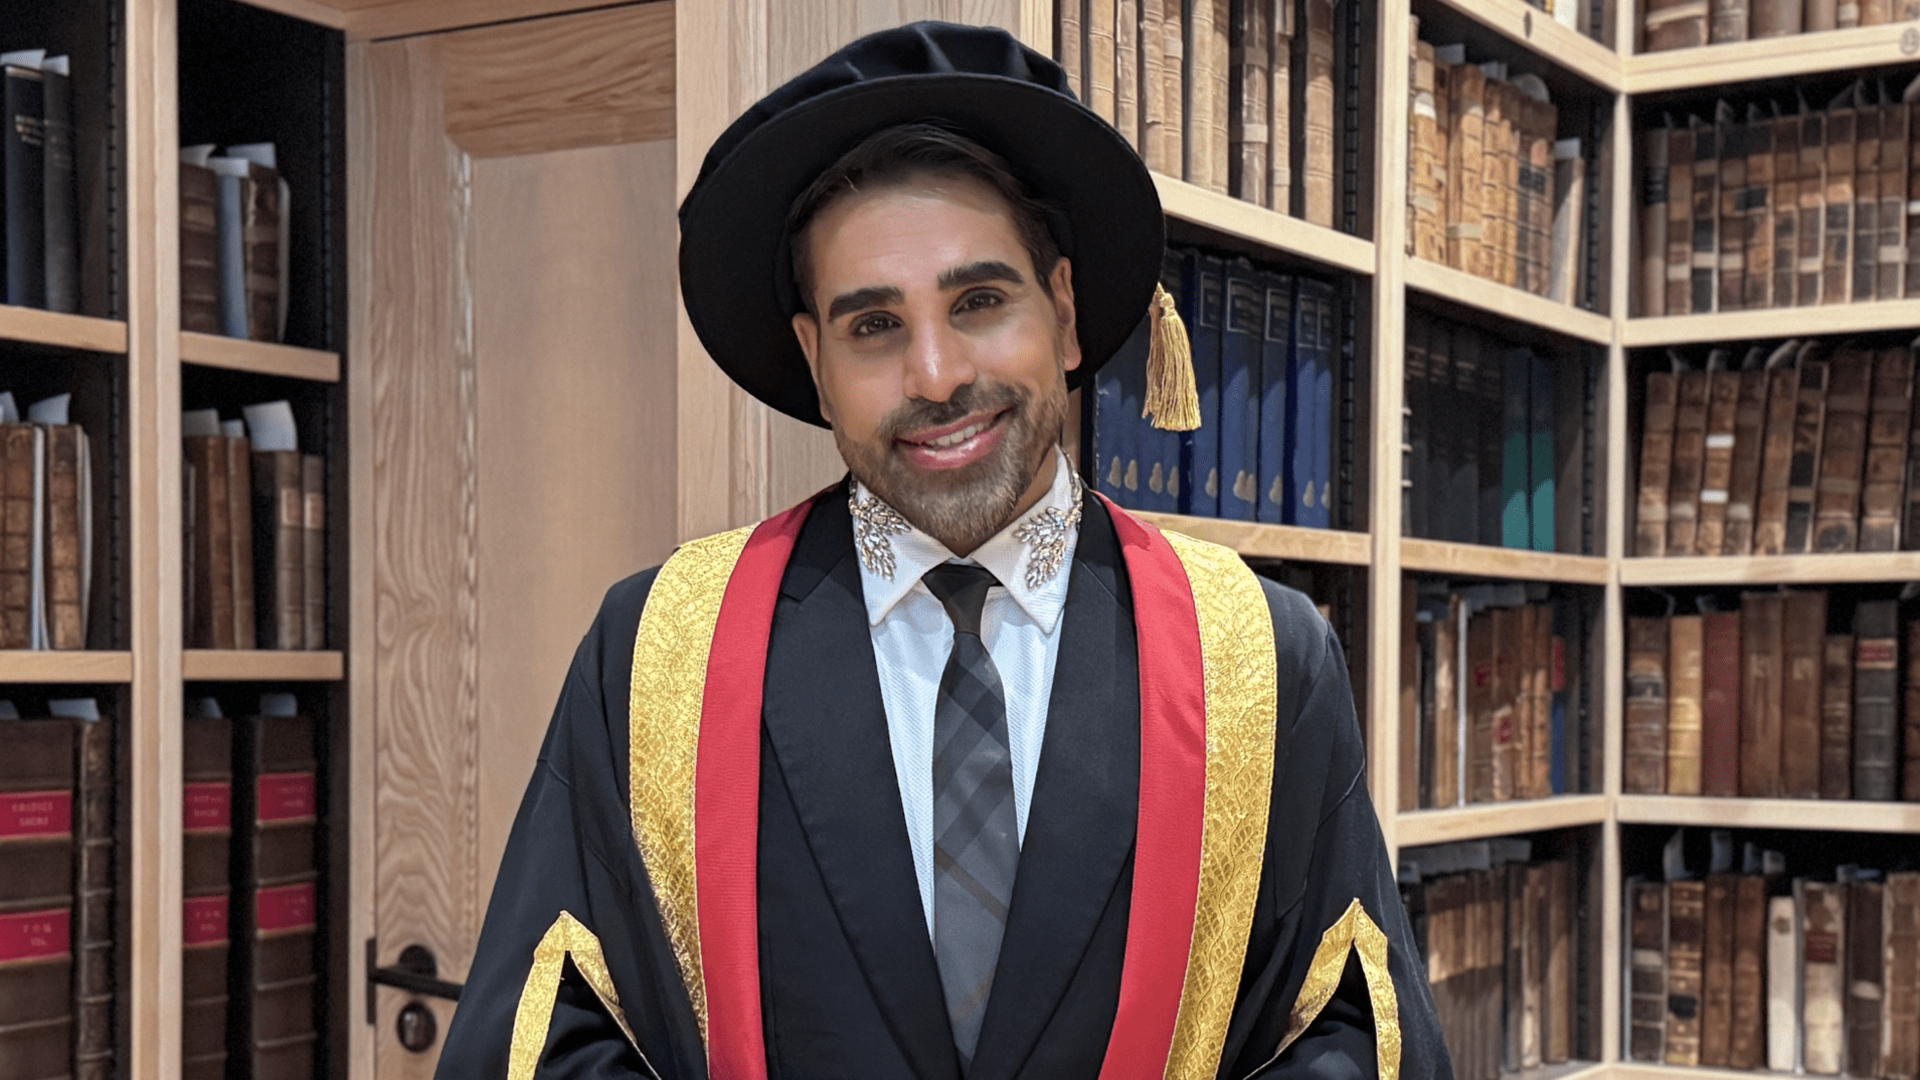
{"points": [[285, 796], [1483, 675], [36, 813], [1878, 652], [205, 920], [284, 907], [209, 806], [1559, 664], [1823, 947], [36, 935]]}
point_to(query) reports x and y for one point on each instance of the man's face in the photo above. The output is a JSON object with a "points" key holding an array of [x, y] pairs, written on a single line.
{"points": [[940, 361]]}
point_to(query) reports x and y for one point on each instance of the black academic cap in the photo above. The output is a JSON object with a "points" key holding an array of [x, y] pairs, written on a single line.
{"points": [[735, 265]]}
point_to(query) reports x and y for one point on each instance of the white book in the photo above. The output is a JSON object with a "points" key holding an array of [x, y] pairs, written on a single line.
{"points": [[1783, 985], [1823, 955]]}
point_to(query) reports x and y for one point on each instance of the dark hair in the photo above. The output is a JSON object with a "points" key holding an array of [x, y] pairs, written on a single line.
{"points": [[919, 148]]}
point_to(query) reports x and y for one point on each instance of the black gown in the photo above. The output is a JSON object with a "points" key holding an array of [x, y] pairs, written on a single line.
{"points": [[849, 986]]}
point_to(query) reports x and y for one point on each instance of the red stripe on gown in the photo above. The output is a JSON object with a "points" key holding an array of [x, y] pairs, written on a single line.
{"points": [[726, 801], [1173, 777]]}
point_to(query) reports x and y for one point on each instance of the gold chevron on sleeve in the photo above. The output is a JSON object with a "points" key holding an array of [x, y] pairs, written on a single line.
{"points": [[565, 939], [1355, 932]]}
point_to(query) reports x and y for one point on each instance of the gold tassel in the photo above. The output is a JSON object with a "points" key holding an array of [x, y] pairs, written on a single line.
{"points": [[1172, 401]]}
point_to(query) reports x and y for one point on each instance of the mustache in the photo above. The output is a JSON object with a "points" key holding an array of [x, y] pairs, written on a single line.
{"points": [[917, 414]]}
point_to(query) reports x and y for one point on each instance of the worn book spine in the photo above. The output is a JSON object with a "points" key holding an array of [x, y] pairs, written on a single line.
{"points": [[1866, 201], [1776, 462], [1126, 70], [1646, 723], [1557, 1042], [1651, 296], [271, 976], [1173, 89], [1716, 994], [1521, 1022], [1900, 930], [200, 248], [1720, 704], [1316, 113], [279, 548], [1836, 717], [1743, 482], [260, 235], [213, 548], [240, 537], [1730, 279], [1812, 200], [1543, 746], [66, 627], [1480, 708], [1680, 220], [1509, 703], [1865, 977], [1883, 477], [1647, 970], [1727, 21], [1836, 504], [1689, 461], [1891, 258], [1466, 154], [61, 180], [37, 819], [1757, 207], [1069, 45], [1822, 957], [1774, 18], [1910, 770], [1746, 1042], [1280, 111], [23, 170], [1910, 510], [1540, 156], [1686, 938], [1809, 419], [94, 910], [207, 775], [1785, 207], [1446, 705], [1716, 475], [1098, 66], [1411, 662], [1876, 689], [1675, 24], [1704, 261], [1494, 252], [1656, 464], [1247, 131], [1836, 258], [1761, 617], [1783, 984], [1686, 680], [1803, 628], [313, 572], [1197, 20], [16, 541], [1153, 86]]}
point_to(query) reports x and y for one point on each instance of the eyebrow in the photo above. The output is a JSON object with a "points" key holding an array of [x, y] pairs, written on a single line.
{"points": [[954, 277], [861, 299]]}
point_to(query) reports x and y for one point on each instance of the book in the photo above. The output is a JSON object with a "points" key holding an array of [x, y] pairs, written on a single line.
{"points": [[1466, 157], [1811, 232], [1247, 128], [240, 533], [200, 241], [1876, 689], [1504, 722], [1426, 188], [1481, 703], [1151, 67], [1315, 62], [1515, 449], [1757, 209], [206, 887], [1675, 24], [1774, 18], [1280, 110], [1542, 436], [1646, 721], [1557, 1042], [1883, 477], [1842, 451], [1726, 21], [1720, 704], [1448, 692], [66, 536], [1822, 956], [1308, 463], [205, 450], [1716, 982], [1069, 45], [1785, 206], [1716, 474], [1417, 418], [1276, 408], [248, 214], [1730, 276], [1809, 419], [1173, 131], [1686, 676], [1866, 196], [37, 863], [1803, 626], [1495, 249], [279, 524], [1651, 296], [1205, 280], [1900, 925], [61, 180], [1865, 976], [23, 448], [93, 886], [1238, 429], [1761, 683], [1776, 456], [1743, 473], [1703, 264], [1112, 423], [1680, 218], [1097, 28], [1910, 511], [1891, 253], [1836, 258], [1746, 1042], [1910, 743], [1656, 463], [1836, 716], [1565, 283], [1647, 972], [313, 575], [23, 181], [1783, 984], [1689, 460]]}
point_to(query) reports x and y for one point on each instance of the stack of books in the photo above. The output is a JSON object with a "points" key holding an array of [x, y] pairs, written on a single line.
{"points": [[234, 221], [1805, 448], [46, 529], [1685, 24], [40, 214], [1765, 702], [1266, 352]]}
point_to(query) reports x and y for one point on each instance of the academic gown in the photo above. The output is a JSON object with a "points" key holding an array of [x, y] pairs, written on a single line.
{"points": [[849, 985]]}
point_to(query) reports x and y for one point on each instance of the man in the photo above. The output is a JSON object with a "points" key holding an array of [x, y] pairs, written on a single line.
{"points": [[953, 770]]}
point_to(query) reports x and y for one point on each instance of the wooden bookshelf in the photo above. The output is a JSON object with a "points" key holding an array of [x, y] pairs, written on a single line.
{"points": [[1258, 541], [262, 665], [1478, 821], [1505, 302], [1540, 34], [1773, 569], [1480, 560], [36, 327], [1710, 66], [259, 357], [1279, 232], [81, 666], [1862, 318]]}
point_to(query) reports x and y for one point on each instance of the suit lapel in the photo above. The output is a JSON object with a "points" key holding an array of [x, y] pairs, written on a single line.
{"points": [[827, 724], [1080, 827]]}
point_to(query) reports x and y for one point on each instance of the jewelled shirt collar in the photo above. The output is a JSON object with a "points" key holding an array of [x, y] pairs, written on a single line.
{"points": [[1031, 556]]}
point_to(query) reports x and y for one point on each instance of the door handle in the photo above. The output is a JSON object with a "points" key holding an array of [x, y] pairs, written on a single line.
{"points": [[417, 972]]}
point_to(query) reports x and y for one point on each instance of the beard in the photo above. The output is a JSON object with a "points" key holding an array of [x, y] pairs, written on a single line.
{"points": [[962, 508]]}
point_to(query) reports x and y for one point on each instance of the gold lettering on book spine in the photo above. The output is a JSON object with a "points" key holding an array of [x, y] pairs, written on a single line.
{"points": [[669, 686], [565, 939]]}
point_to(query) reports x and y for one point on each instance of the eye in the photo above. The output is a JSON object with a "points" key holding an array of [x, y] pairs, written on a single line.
{"points": [[872, 323], [979, 300]]}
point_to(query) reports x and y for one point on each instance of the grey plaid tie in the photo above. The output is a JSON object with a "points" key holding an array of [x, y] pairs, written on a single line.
{"points": [[976, 842]]}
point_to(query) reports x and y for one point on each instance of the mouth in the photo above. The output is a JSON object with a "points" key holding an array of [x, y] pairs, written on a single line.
{"points": [[956, 445]]}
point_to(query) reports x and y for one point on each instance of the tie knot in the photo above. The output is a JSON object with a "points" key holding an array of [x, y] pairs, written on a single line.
{"points": [[962, 589]]}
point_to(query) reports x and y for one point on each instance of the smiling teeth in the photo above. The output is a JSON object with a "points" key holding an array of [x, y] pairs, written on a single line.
{"points": [[960, 436]]}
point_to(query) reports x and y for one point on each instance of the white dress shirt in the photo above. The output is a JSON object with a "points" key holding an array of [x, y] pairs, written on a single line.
{"points": [[912, 638]]}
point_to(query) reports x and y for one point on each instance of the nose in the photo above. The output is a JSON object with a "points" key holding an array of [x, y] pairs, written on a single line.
{"points": [[938, 362]]}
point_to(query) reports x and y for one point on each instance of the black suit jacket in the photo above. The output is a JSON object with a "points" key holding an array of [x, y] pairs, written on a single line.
{"points": [[849, 986]]}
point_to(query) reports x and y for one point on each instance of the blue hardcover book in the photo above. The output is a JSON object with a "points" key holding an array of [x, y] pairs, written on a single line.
{"points": [[1200, 448], [1323, 408], [1270, 474], [1540, 456], [1517, 364], [1310, 394], [1119, 388], [1239, 430]]}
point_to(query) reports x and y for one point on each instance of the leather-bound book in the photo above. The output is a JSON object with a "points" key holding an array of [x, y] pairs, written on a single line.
{"points": [[1720, 705], [1876, 689], [1836, 510], [1152, 85], [1070, 45], [93, 887], [1495, 251], [1557, 1009], [240, 539], [1446, 705], [1680, 219], [1538, 123], [1760, 688], [1686, 678], [1866, 197], [23, 163], [1647, 970], [1656, 464], [1823, 922], [1910, 511], [1412, 678], [1865, 977], [66, 626], [1316, 63], [1813, 206], [1686, 941], [279, 549], [1802, 636], [1427, 168], [1900, 929], [1746, 1042], [1783, 984], [1883, 478], [1776, 459], [1836, 252], [1280, 111], [1196, 125], [1540, 744], [200, 243], [1716, 995], [1730, 278], [313, 572], [17, 539], [1726, 21], [1521, 1022], [1895, 125], [1910, 743], [1480, 707], [1173, 129], [1689, 461], [213, 548], [1836, 717], [1507, 700], [36, 897], [271, 974], [1247, 130], [1809, 428], [1646, 726], [1652, 292], [1466, 160], [1774, 18], [1758, 207], [1126, 76], [1743, 482], [207, 772], [1716, 474], [1675, 24], [1785, 205], [1704, 263]]}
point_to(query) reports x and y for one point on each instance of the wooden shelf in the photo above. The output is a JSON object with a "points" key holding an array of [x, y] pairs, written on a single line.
{"points": [[1478, 821], [66, 331], [1243, 219], [1773, 569], [1259, 541], [259, 357], [1539, 33], [1507, 302], [64, 666], [1479, 560], [1827, 815], [261, 665], [1772, 323], [1649, 1070], [1836, 51]]}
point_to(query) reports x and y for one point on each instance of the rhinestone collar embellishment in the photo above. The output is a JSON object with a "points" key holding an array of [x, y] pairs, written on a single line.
{"points": [[874, 525], [1045, 534]]}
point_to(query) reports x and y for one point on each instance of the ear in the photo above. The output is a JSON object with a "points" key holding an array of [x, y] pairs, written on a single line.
{"points": [[806, 329], [1064, 312]]}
